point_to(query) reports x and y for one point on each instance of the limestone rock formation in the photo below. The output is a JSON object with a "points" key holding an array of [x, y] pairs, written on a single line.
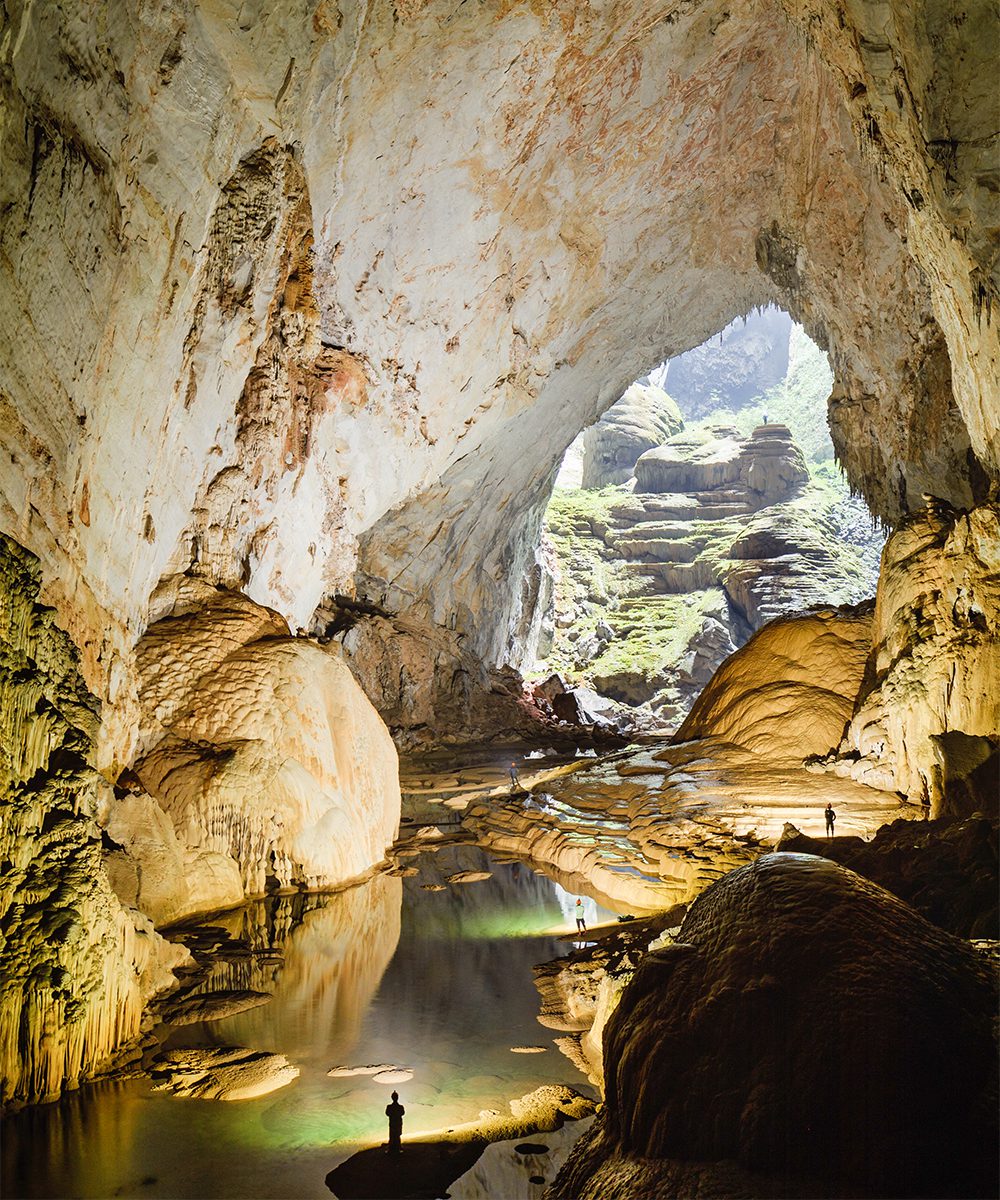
{"points": [[656, 589], [648, 828], [742, 475], [261, 747], [765, 1053], [338, 352], [78, 968], [946, 869], [929, 717], [222, 1072], [580, 991], [741, 364], [645, 417], [789, 692]]}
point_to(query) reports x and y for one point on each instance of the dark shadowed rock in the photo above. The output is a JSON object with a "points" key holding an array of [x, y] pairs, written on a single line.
{"points": [[946, 869], [820, 1039]]}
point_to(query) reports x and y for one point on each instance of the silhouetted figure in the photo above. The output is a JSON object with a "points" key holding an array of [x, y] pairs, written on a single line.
{"points": [[580, 923], [394, 1112], [515, 782], [764, 422], [831, 816]]}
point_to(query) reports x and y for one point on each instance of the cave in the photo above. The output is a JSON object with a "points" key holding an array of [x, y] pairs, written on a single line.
{"points": [[302, 307]]}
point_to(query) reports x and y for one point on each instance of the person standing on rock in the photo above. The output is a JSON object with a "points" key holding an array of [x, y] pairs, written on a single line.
{"points": [[831, 816], [580, 922], [515, 781], [394, 1112]]}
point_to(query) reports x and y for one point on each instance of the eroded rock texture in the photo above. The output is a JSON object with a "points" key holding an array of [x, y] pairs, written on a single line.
{"points": [[789, 692], [808, 1035], [928, 719], [77, 967], [261, 748], [746, 359], [641, 420], [946, 869]]}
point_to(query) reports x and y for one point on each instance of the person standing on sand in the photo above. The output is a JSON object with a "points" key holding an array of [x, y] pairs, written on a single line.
{"points": [[394, 1112], [831, 816], [515, 781], [580, 922]]}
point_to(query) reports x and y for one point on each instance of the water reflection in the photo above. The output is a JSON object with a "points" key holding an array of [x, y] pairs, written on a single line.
{"points": [[390, 972], [335, 954]]}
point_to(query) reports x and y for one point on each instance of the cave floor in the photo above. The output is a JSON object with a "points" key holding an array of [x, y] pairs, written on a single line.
{"points": [[649, 827]]}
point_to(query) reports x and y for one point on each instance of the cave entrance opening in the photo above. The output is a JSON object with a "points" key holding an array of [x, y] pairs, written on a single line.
{"points": [[704, 503]]}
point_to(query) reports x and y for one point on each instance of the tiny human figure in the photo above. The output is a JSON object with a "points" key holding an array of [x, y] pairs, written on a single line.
{"points": [[831, 816], [394, 1112], [764, 422], [515, 782], [580, 922]]}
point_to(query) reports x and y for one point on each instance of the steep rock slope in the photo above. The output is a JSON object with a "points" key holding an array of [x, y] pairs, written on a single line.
{"points": [[300, 301], [790, 691], [763, 1054], [929, 715], [747, 358]]}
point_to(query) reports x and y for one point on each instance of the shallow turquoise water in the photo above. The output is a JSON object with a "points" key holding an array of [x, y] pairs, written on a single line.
{"points": [[436, 981]]}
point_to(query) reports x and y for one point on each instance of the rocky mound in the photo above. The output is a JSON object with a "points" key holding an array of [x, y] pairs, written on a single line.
{"points": [[643, 418], [809, 1035], [946, 869], [763, 469], [790, 691], [263, 760]]}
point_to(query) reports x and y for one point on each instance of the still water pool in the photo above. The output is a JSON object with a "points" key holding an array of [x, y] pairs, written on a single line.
{"points": [[437, 982]]}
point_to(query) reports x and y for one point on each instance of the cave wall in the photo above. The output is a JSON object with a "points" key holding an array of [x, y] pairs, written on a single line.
{"points": [[302, 299], [77, 966], [928, 715]]}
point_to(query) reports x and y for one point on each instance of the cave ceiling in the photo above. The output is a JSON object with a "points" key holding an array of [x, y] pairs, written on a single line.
{"points": [[309, 298]]}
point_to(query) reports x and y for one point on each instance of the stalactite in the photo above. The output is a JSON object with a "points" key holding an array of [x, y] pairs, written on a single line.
{"points": [[77, 967]]}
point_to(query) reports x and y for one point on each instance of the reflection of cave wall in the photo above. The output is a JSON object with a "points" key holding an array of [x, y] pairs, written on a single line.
{"points": [[334, 951]]}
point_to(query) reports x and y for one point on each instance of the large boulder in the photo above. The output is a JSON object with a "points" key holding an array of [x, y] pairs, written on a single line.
{"points": [[808, 1035], [790, 691], [945, 869], [261, 747], [642, 419]]}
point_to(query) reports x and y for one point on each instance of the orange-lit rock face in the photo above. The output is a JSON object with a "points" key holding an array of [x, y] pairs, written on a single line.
{"points": [[936, 659], [261, 749], [789, 692], [299, 301]]}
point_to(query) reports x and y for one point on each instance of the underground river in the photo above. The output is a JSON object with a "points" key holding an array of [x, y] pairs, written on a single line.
{"points": [[392, 972]]}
